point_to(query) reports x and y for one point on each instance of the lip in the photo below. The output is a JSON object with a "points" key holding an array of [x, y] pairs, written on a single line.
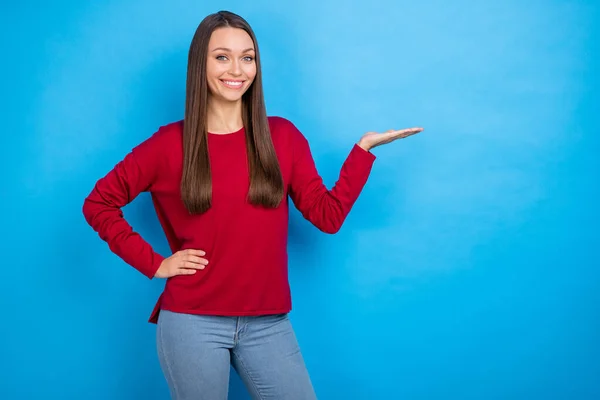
{"points": [[232, 87]]}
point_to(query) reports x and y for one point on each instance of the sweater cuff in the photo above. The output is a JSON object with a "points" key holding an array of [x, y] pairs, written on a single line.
{"points": [[362, 154], [158, 259]]}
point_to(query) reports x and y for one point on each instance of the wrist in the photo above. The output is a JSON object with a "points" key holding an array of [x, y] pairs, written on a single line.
{"points": [[363, 145], [157, 269]]}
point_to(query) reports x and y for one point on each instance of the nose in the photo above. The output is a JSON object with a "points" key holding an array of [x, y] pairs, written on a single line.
{"points": [[235, 69]]}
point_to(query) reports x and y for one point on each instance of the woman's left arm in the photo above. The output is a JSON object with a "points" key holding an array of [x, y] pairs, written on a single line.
{"points": [[327, 209]]}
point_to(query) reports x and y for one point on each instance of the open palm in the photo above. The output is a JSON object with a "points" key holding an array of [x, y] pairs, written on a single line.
{"points": [[374, 139]]}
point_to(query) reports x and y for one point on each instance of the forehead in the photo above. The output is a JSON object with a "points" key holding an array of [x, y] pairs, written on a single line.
{"points": [[232, 38]]}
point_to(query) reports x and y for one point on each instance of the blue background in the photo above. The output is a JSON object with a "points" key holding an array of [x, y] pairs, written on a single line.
{"points": [[469, 267]]}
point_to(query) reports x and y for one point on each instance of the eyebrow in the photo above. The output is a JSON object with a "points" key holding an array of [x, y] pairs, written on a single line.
{"points": [[229, 50]]}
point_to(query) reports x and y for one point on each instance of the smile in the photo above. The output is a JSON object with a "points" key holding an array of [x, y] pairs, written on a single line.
{"points": [[232, 84]]}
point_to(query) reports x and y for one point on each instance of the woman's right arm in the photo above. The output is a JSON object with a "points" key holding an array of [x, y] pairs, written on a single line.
{"points": [[134, 174]]}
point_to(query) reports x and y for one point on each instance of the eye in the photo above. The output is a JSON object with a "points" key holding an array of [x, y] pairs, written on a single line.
{"points": [[221, 58], [249, 58]]}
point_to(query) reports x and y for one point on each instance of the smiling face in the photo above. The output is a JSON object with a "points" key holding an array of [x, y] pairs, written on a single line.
{"points": [[230, 65]]}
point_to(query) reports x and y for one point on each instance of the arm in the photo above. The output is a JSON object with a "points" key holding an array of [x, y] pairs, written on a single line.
{"points": [[134, 174], [326, 209]]}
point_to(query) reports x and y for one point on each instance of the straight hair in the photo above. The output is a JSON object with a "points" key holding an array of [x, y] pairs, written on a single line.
{"points": [[266, 182]]}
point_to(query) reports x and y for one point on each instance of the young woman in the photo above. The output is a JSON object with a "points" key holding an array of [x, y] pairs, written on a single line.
{"points": [[220, 181]]}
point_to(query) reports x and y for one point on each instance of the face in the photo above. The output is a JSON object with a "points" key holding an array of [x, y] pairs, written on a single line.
{"points": [[230, 66]]}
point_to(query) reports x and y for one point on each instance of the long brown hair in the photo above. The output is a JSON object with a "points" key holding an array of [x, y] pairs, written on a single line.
{"points": [[266, 181]]}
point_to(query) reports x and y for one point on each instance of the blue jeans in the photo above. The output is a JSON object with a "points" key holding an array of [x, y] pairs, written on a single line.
{"points": [[196, 351]]}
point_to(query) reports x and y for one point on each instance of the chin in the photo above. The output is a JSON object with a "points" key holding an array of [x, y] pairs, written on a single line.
{"points": [[231, 99]]}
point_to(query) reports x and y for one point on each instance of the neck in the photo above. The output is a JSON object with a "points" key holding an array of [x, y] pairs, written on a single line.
{"points": [[224, 116]]}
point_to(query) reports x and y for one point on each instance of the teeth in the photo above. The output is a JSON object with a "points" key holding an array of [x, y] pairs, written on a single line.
{"points": [[233, 83]]}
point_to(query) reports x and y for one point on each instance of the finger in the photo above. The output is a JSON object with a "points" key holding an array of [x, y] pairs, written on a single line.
{"points": [[191, 265], [184, 271], [393, 133], [195, 259], [402, 133], [194, 252], [410, 130]]}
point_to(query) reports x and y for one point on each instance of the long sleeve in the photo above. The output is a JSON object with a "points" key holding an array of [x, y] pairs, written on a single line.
{"points": [[326, 209], [134, 174]]}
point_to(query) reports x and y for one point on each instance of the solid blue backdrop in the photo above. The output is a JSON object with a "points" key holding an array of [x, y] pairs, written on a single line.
{"points": [[468, 268]]}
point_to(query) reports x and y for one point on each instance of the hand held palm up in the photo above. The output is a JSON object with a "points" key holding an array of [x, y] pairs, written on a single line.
{"points": [[374, 139]]}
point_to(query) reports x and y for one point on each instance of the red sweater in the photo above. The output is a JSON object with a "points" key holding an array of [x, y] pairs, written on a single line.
{"points": [[246, 245]]}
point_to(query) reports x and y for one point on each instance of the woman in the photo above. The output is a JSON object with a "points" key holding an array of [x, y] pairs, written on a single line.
{"points": [[220, 181]]}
